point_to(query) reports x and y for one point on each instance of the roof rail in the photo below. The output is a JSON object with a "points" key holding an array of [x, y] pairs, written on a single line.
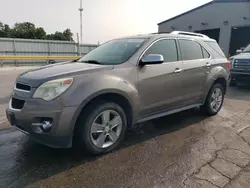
{"points": [[190, 34]]}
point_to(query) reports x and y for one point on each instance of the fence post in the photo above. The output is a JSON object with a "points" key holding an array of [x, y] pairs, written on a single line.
{"points": [[14, 49], [49, 48], [49, 52], [78, 46]]}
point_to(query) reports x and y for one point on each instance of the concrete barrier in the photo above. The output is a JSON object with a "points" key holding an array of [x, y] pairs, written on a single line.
{"points": [[38, 57], [46, 59]]}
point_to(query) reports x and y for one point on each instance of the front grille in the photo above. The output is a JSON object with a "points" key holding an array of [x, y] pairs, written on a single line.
{"points": [[23, 87], [241, 64], [17, 103]]}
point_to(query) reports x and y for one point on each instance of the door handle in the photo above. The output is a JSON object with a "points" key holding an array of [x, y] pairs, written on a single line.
{"points": [[177, 70], [208, 65]]}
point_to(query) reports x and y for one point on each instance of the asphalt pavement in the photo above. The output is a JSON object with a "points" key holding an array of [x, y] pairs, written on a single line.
{"points": [[182, 150]]}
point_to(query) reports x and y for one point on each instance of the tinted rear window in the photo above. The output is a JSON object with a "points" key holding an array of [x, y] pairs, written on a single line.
{"points": [[190, 50], [216, 47]]}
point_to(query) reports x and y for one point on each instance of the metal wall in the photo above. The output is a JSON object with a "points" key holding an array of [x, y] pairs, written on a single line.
{"points": [[223, 15], [28, 47]]}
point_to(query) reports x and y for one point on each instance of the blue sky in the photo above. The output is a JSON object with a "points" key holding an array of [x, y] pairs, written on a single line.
{"points": [[102, 19]]}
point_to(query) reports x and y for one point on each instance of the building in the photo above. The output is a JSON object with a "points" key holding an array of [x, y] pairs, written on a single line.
{"points": [[227, 21]]}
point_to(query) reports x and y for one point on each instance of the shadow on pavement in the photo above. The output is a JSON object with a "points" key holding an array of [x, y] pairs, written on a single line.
{"points": [[24, 162], [239, 92]]}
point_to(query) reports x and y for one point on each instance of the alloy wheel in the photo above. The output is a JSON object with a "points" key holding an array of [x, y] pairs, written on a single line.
{"points": [[106, 129], [216, 99]]}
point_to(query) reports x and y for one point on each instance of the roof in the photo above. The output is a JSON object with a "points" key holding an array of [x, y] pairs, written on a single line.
{"points": [[202, 6]]}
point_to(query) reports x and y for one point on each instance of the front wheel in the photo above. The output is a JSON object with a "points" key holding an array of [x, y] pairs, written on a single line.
{"points": [[102, 127], [214, 100]]}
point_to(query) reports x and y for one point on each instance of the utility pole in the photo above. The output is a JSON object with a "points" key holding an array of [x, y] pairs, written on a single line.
{"points": [[81, 10]]}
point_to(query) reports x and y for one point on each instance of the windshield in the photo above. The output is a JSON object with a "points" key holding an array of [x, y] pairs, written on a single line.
{"points": [[113, 52], [247, 49]]}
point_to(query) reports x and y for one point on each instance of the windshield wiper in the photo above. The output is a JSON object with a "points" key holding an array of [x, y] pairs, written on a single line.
{"points": [[92, 62]]}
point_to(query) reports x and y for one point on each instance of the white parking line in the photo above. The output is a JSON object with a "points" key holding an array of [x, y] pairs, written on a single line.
{"points": [[242, 129]]}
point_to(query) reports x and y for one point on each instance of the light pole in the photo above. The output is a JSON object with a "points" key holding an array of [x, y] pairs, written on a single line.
{"points": [[81, 9]]}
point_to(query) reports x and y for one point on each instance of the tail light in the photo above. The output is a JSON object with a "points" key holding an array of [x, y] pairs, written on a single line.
{"points": [[228, 64]]}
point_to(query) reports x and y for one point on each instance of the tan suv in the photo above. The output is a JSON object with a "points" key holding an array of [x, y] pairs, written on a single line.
{"points": [[123, 82]]}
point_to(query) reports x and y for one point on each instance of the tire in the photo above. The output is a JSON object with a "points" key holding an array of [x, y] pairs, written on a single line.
{"points": [[93, 113], [207, 107]]}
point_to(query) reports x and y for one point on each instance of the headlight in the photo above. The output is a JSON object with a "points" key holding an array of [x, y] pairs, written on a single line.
{"points": [[231, 61], [52, 89]]}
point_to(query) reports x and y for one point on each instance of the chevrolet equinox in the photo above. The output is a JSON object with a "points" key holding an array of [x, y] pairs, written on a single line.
{"points": [[125, 81]]}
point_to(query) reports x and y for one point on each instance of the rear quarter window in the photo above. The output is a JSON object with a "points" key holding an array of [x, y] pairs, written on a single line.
{"points": [[215, 47]]}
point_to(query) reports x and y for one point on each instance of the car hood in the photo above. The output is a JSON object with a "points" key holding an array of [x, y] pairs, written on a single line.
{"points": [[241, 56], [36, 77]]}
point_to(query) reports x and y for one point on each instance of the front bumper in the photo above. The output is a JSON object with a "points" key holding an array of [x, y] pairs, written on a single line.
{"points": [[240, 76], [62, 118]]}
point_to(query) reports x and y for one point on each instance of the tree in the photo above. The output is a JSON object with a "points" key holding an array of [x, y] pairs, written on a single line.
{"points": [[24, 30], [2, 33], [68, 35], [40, 33], [59, 36], [5, 30], [28, 30]]}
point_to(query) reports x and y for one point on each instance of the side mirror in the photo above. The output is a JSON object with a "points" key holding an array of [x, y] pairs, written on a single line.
{"points": [[152, 59], [238, 51]]}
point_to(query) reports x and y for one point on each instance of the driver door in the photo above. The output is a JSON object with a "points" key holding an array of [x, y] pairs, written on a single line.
{"points": [[160, 85]]}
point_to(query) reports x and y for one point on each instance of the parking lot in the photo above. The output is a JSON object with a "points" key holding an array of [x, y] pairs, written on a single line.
{"points": [[182, 150]]}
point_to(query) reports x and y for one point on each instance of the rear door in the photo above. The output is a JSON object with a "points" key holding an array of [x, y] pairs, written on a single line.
{"points": [[196, 67]]}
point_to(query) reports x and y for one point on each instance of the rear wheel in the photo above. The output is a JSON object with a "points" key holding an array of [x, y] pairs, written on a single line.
{"points": [[215, 99], [102, 127]]}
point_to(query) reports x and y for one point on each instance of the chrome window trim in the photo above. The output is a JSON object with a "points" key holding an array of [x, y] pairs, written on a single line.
{"points": [[178, 50]]}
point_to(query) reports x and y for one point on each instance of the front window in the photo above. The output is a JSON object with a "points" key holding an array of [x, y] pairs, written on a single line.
{"points": [[247, 49], [166, 47], [113, 52]]}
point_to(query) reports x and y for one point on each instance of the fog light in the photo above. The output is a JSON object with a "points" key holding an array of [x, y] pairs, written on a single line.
{"points": [[44, 126]]}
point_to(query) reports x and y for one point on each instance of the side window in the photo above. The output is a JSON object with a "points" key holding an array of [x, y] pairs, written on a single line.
{"points": [[167, 48], [190, 50], [206, 55]]}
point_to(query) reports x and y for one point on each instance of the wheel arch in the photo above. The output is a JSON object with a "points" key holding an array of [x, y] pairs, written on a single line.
{"points": [[222, 81], [219, 79], [109, 96]]}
